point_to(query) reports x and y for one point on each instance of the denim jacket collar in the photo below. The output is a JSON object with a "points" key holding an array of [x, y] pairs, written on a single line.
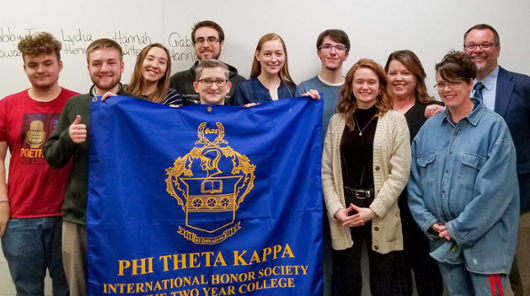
{"points": [[473, 117]]}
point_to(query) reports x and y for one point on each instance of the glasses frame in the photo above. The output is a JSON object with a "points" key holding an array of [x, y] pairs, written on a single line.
{"points": [[206, 84], [473, 47], [209, 39], [321, 47], [451, 85]]}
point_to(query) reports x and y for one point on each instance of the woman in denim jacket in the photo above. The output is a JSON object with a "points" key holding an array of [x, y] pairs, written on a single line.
{"points": [[463, 190]]}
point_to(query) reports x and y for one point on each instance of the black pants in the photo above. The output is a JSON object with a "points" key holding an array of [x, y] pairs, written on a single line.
{"points": [[347, 276], [415, 256]]}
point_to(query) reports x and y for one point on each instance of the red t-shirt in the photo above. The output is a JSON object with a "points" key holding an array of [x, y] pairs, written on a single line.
{"points": [[34, 188]]}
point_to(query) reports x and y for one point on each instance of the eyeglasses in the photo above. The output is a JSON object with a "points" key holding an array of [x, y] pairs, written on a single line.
{"points": [[328, 47], [210, 40], [443, 85], [209, 82], [483, 46]]}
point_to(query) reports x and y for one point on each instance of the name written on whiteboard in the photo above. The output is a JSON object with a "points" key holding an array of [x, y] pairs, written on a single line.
{"points": [[133, 44], [181, 47], [79, 37], [77, 41], [9, 41]]}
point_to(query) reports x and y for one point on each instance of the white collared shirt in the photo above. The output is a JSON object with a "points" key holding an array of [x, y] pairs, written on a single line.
{"points": [[490, 88]]}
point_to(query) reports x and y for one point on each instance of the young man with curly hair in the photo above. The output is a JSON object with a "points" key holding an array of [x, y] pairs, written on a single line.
{"points": [[30, 205]]}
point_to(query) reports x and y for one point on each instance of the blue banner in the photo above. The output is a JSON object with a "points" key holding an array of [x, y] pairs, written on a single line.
{"points": [[205, 200]]}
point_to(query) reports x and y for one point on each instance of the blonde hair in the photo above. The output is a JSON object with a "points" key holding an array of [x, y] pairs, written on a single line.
{"points": [[284, 72], [104, 43], [209, 64]]}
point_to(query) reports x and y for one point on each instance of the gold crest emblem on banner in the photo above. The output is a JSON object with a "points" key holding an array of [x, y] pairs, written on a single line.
{"points": [[210, 183]]}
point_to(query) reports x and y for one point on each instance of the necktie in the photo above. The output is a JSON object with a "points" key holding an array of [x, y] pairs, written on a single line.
{"points": [[478, 90]]}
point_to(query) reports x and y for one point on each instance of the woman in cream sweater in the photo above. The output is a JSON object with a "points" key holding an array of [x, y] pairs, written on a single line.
{"points": [[365, 166]]}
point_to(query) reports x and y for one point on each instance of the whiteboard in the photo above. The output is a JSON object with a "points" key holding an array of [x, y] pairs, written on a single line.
{"points": [[375, 28]]}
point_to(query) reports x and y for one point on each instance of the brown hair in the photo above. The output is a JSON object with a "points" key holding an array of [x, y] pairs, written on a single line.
{"points": [[336, 35], [104, 43], [347, 102], [210, 24], [210, 63], [137, 79], [456, 66], [284, 72], [413, 64], [496, 37], [39, 44]]}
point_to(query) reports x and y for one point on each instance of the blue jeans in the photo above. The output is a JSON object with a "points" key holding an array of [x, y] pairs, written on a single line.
{"points": [[31, 246], [461, 282]]}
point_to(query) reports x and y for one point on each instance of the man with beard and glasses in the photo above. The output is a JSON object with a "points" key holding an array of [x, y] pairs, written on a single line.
{"points": [[508, 94], [30, 207], [208, 38], [333, 47], [69, 142]]}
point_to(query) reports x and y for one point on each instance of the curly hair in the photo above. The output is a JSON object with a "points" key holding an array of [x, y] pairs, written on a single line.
{"points": [[456, 66], [39, 44], [348, 103]]}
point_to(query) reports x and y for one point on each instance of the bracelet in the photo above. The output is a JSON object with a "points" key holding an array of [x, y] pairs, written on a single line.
{"points": [[4, 200]]}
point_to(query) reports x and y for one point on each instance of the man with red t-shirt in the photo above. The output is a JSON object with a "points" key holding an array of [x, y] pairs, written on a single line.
{"points": [[31, 239]]}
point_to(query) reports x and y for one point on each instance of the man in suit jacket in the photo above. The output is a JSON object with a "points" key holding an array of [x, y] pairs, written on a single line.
{"points": [[508, 94]]}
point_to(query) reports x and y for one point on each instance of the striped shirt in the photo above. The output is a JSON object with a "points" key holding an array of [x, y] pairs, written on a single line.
{"points": [[172, 98]]}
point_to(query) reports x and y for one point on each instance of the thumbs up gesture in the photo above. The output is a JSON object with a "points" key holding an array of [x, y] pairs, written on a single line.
{"points": [[77, 131]]}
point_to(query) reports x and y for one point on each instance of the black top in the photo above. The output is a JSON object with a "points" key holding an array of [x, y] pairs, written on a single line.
{"points": [[356, 150], [415, 117]]}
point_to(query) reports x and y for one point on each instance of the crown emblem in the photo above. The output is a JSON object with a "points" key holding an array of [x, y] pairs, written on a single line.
{"points": [[210, 183]]}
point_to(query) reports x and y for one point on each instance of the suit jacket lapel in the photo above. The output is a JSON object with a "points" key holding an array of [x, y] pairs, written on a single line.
{"points": [[505, 87]]}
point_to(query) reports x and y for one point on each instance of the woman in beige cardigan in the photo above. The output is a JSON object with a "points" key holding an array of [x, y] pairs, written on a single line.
{"points": [[365, 166]]}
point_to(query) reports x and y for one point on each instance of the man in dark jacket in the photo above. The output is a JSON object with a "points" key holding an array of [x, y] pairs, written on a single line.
{"points": [[69, 142], [208, 38]]}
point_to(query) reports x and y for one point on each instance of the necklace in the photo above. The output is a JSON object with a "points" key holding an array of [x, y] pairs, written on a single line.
{"points": [[359, 128]]}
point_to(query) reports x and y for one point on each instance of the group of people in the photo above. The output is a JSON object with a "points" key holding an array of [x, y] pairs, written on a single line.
{"points": [[442, 198]]}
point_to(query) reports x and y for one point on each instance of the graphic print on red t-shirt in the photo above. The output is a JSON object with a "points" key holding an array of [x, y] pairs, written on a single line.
{"points": [[34, 188], [36, 128]]}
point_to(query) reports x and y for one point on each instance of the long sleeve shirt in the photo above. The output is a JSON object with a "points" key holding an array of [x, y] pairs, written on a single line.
{"points": [[464, 176]]}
